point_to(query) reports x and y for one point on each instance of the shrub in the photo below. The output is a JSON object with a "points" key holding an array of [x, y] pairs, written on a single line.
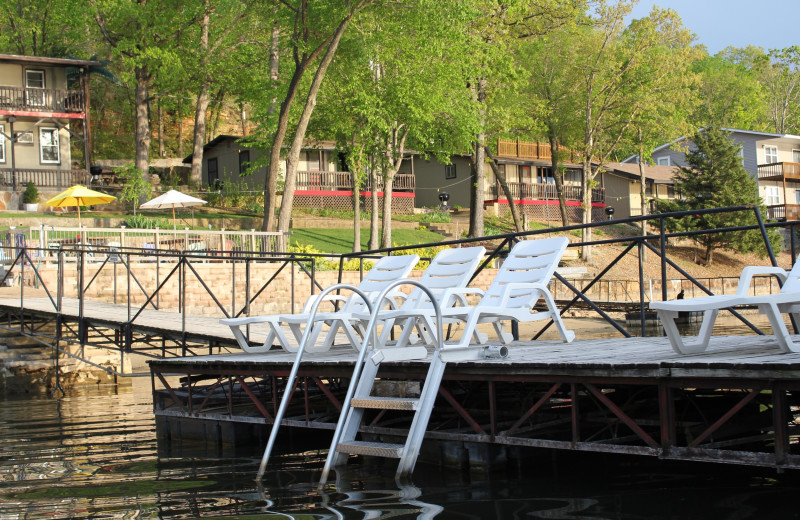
{"points": [[31, 195], [323, 264], [142, 222]]}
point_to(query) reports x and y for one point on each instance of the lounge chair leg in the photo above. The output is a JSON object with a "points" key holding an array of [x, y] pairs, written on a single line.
{"points": [[668, 321], [778, 327], [566, 335]]}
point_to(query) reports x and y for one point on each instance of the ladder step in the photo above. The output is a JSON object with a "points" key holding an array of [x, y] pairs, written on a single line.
{"points": [[385, 403], [372, 449]]}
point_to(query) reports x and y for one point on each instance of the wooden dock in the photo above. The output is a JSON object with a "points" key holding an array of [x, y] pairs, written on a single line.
{"points": [[734, 404]]}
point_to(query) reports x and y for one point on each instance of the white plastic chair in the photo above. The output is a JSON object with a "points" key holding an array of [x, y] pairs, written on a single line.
{"points": [[385, 271], [446, 277], [519, 284], [773, 305]]}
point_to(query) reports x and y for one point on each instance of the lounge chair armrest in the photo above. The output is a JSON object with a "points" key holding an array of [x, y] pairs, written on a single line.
{"points": [[520, 285], [457, 295], [238, 322], [755, 270]]}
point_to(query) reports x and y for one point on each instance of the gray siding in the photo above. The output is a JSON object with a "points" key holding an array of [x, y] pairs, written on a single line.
{"points": [[430, 181]]}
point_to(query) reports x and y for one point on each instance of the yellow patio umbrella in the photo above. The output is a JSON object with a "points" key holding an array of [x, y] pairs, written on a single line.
{"points": [[79, 196]]}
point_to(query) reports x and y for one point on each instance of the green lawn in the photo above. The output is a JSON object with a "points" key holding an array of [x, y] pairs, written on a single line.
{"points": [[341, 240]]}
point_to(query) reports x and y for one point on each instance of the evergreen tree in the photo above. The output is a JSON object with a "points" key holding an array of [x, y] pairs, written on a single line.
{"points": [[716, 178]]}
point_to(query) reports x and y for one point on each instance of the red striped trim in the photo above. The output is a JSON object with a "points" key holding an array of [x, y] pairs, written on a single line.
{"points": [[27, 113]]}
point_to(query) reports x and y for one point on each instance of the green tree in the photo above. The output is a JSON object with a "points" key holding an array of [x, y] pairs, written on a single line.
{"points": [[53, 28], [134, 185], [716, 178]]}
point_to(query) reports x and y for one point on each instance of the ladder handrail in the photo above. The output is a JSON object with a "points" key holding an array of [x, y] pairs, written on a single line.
{"points": [[287, 393], [371, 331]]}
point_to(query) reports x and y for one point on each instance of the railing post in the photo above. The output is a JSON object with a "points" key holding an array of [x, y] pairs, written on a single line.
{"points": [[640, 250], [765, 235], [663, 245]]}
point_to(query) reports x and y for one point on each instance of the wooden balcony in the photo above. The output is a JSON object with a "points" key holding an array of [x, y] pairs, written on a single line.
{"points": [[19, 178], [780, 171], [31, 101], [532, 150], [522, 191], [341, 181], [783, 212]]}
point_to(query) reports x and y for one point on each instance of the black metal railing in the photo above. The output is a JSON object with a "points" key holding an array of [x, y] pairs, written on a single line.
{"points": [[145, 278], [41, 100]]}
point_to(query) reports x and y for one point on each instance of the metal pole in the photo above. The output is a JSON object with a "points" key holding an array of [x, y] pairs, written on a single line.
{"points": [[662, 227]]}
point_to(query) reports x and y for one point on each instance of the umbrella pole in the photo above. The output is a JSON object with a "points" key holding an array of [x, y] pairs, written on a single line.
{"points": [[173, 218]]}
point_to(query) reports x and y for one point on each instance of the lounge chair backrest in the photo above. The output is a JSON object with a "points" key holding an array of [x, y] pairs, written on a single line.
{"points": [[385, 271], [450, 268], [529, 261], [792, 283]]}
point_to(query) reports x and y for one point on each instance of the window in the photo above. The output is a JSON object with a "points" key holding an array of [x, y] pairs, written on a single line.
{"points": [[312, 161], [797, 197], [545, 176], [770, 154], [49, 150], [663, 161], [2, 144], [213, 172], [648, 187], [670, 191], [773, 195], [449, 171], [24, 137], [572, 177], [34, 87], [244, 161], [796, 156]]}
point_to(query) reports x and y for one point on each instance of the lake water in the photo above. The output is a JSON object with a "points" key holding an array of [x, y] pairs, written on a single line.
{"points": [[94, 455]]}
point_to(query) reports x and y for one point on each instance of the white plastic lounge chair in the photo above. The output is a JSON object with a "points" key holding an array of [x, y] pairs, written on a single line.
{"points": [[785, 301], [385, 271], [446, 277], [519, 284]]}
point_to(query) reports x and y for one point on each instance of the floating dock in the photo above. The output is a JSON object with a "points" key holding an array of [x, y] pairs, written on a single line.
{"points": [[736, 403]]}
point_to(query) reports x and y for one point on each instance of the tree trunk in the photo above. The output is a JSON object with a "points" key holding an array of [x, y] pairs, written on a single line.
{"points": [[478, 159], [586, 235], [160, 131], [503, 181], [201, 109], [180, 128], [285, 214], [558, 175], [386, 225], [477, 170], [141, 99], [374, 224], [354, 177]]}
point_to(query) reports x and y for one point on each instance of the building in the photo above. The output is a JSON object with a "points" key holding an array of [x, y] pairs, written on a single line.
{"points": [[528, 171], [623, 187], [44, 104], [323, 179], [773, 159]]}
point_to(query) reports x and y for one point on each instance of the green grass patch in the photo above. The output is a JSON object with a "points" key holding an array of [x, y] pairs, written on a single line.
{"points": [[340, 241]]}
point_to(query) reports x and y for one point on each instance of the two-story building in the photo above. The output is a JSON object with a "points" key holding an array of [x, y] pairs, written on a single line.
{"points": [[323, 179], [44, 104], [773, 159]]}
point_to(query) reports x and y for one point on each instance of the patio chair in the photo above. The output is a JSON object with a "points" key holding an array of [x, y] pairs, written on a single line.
{"points": [[518, 285], [446, 277], [787, 301], [385, 271]]}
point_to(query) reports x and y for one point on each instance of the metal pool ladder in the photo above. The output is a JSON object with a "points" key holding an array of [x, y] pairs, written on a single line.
{"points": [[359, 396]]}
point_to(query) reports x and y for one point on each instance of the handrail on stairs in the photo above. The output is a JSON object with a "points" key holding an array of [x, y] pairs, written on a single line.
{"points": [[371, 333], [287, 393]]}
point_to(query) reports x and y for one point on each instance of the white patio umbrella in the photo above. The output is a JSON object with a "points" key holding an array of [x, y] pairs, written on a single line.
{"points": [[172, 199]]}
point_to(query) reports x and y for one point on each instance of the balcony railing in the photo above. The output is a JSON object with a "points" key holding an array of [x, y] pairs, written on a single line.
{"points": [[341, 181], [41, 100], [779, 171], [42, 178], [531, 191], [532, 150], [783, 212]]}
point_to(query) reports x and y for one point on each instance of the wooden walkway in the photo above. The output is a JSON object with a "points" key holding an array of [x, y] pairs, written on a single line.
{"points": [[739, 402]]}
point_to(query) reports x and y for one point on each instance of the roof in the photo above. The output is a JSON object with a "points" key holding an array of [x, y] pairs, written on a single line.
{"points": [[731, 130], [657, 174], [310, 144], [41, 60]]}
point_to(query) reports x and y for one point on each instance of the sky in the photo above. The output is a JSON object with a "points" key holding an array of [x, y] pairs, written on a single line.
{"points": [[771, 24]]}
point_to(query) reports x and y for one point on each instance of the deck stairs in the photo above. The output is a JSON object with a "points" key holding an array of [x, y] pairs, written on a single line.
{"points": [[360, 396]]}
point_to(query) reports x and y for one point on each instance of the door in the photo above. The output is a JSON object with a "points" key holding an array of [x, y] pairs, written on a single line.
{"points": [[213, 173], [525, 182], [34, 87]]}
